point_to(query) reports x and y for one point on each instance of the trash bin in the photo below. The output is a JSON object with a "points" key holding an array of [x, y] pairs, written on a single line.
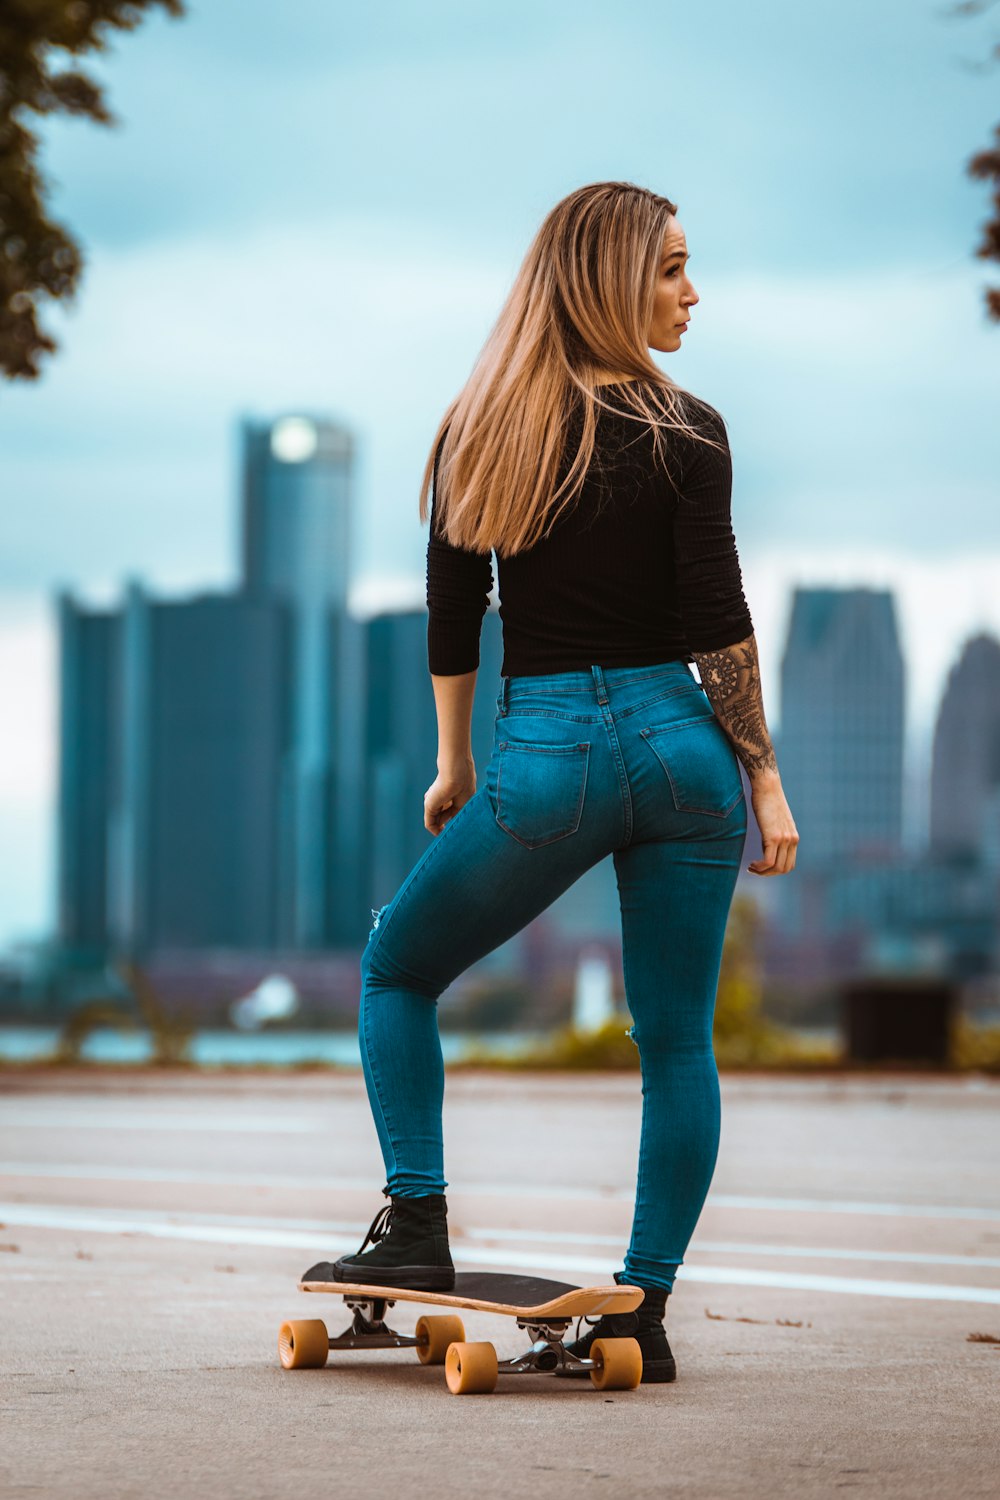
{"points": [[898, 1018]]}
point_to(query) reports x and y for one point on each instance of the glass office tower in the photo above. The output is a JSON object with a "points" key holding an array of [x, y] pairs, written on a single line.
{"points": [[89, 647], [965, 770], [842, 725], [296, 504]]}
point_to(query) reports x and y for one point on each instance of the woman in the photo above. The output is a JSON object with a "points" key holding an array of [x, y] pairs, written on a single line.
{"points": [[604, 489]]}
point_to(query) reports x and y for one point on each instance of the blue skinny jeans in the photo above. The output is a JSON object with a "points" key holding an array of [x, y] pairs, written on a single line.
{"points": [[626, 761]]}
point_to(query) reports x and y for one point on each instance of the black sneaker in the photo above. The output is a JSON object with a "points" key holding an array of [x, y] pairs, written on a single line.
{"points": [[645, 1325], [409, 1240]]}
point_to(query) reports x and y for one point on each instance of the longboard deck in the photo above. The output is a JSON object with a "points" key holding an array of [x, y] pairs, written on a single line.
{"points": [[498, 1292]]}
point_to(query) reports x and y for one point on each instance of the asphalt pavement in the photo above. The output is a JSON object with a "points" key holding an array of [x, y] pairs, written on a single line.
{"points": [[836, 1322]]}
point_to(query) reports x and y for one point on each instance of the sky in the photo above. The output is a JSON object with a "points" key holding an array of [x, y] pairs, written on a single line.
{"points": [[322, 207]]}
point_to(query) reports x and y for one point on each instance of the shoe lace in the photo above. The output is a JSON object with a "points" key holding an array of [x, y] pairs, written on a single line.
{"points": [[584, 1318], [379, 1228]]}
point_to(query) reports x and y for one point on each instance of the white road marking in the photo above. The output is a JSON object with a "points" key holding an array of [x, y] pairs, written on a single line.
{"points": [[736, 1247], [820, 1252], [93, 1172], [158, 1225], [40, 1117], [856, 1206], [527, 1235], [327, 1227], [108, 1172]]}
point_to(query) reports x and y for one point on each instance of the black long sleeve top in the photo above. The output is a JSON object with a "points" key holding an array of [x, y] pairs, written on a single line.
{"points": [[633, 574]]}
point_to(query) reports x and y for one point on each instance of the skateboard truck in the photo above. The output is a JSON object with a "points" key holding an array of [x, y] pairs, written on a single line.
{"points": [[369, 1330], [548, 1352]]}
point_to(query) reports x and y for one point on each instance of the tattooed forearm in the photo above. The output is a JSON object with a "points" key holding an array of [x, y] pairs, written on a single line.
{"points": [[731, 679]]}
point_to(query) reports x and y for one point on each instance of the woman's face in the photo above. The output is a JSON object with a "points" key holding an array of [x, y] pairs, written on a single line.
{"points": [[675, 294]]}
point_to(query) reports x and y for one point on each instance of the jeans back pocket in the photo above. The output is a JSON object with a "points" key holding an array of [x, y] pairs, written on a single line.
{"points": [[540, 790], [701, 765]]}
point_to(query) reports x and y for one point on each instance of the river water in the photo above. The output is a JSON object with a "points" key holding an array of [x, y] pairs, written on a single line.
{"points": [[26, 1043]]}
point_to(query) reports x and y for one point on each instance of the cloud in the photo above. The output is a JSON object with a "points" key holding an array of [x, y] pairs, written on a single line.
{"points": [[27, 767], [125, 458], [854, 415], [786, 143], [27, 671]]}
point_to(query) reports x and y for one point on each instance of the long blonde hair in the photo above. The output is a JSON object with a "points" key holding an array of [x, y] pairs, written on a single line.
{"points": [[581, 304]]}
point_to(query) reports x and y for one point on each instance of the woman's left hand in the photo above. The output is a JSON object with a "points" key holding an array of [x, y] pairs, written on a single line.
{"points": [[448, 795]]}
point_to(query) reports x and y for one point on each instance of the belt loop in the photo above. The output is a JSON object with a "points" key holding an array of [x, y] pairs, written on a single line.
{"points": [[504, 681], [599, 683]]}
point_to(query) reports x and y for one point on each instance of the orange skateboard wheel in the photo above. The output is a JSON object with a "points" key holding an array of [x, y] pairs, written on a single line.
{"points": [[303, 1344], [471, 1369], [435, 1334], [617, 1364]]}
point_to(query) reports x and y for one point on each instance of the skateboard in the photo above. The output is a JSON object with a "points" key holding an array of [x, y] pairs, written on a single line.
{"points": [[543, 1308]]}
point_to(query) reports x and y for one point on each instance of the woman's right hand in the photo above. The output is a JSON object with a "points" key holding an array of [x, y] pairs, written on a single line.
{"points": [[778, 835], [448, 794]]}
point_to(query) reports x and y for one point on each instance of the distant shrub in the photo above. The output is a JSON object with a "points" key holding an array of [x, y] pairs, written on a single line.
{"points": [[975, 1048]]}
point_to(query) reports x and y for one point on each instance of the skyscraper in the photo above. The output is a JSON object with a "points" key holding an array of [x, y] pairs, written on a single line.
{"points": [[89, 645], [296, 506], [194, 813], [842, 725], [965, 765], [401, 738]]}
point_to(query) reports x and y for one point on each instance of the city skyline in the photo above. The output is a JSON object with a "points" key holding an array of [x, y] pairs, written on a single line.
{"points": [[316, 255], [366, 599], [241, 772], [158, 753]]}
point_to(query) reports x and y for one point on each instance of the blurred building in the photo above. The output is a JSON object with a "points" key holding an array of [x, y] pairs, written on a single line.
{"points": [[89, 656], [242, 776], [174, 730], [842, 725], [395, 715], [296, 545], [965, 766], [246, 772], [857, 901]]}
